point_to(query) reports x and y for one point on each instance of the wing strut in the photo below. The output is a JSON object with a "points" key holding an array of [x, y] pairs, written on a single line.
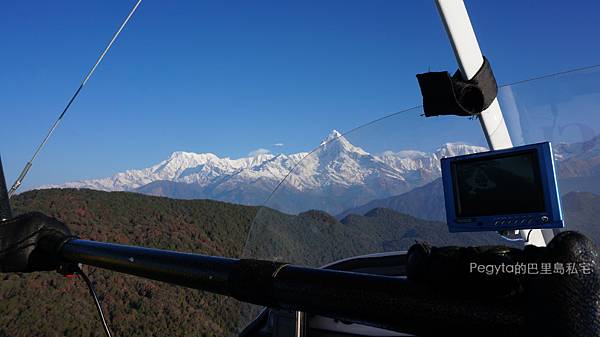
{"points": [[25, 170]]}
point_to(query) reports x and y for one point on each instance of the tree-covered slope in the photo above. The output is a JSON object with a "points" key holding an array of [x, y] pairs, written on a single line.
{"points": [[48, 304]]}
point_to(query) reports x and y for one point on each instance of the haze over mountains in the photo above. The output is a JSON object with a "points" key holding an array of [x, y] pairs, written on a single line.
{"points": [[335, 177]]}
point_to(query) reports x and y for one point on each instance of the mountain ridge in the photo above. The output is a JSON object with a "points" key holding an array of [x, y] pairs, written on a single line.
{"points": [[337, 168]]}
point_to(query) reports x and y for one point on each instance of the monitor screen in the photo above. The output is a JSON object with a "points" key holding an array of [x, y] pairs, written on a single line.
{"points": [[508, 183]]}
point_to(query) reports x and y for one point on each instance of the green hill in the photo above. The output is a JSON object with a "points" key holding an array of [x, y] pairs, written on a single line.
{"points": [[316, 238]]}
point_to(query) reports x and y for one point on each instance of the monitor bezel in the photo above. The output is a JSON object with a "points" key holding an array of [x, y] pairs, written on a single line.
{"points": [[500, 222]]}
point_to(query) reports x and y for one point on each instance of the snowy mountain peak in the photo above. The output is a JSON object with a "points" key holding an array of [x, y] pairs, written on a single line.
{"points": [[336, 143], [182, 156], [332, 136], [178, 154], [180, 161]]}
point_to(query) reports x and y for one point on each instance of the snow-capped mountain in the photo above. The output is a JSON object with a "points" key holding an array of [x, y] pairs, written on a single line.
{"points": [[185, 167], [425, 166], [336, 176]]}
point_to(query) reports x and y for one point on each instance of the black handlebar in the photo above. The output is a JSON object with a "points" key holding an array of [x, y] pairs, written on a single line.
{"points": [[189, 270], [383, 301]]}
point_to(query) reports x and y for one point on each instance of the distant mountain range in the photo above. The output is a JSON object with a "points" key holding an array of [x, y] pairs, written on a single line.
{"points": [[335, 177], [338, 177], [425, 202]]}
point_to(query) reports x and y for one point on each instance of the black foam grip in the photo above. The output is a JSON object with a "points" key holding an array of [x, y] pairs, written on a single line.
{"points": [[566, 305], [31, 242], [553, 304]]}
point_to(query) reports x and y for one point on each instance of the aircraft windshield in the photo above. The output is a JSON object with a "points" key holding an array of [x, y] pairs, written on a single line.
{"points": [[377, 188]]}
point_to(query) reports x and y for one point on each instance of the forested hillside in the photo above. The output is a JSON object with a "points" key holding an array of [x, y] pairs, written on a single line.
{"points": [[48, 304]]}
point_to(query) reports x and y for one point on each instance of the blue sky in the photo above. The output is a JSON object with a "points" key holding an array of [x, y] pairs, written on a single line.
{"points": [[232, 77]]}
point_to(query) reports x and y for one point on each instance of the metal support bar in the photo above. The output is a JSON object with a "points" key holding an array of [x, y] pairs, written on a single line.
{"points": [[41, 146], [189, 270], [469, 58], [300, 324], [382, 301]]}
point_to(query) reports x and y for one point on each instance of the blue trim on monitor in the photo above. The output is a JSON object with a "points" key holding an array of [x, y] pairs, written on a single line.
{"points": [[551, 218]]}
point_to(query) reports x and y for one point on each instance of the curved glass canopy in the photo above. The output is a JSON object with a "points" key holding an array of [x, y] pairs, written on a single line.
{"points": [[377, 188]]}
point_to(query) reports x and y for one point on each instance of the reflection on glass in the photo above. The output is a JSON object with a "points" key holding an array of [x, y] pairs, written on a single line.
{"points": [[507, 184]]}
